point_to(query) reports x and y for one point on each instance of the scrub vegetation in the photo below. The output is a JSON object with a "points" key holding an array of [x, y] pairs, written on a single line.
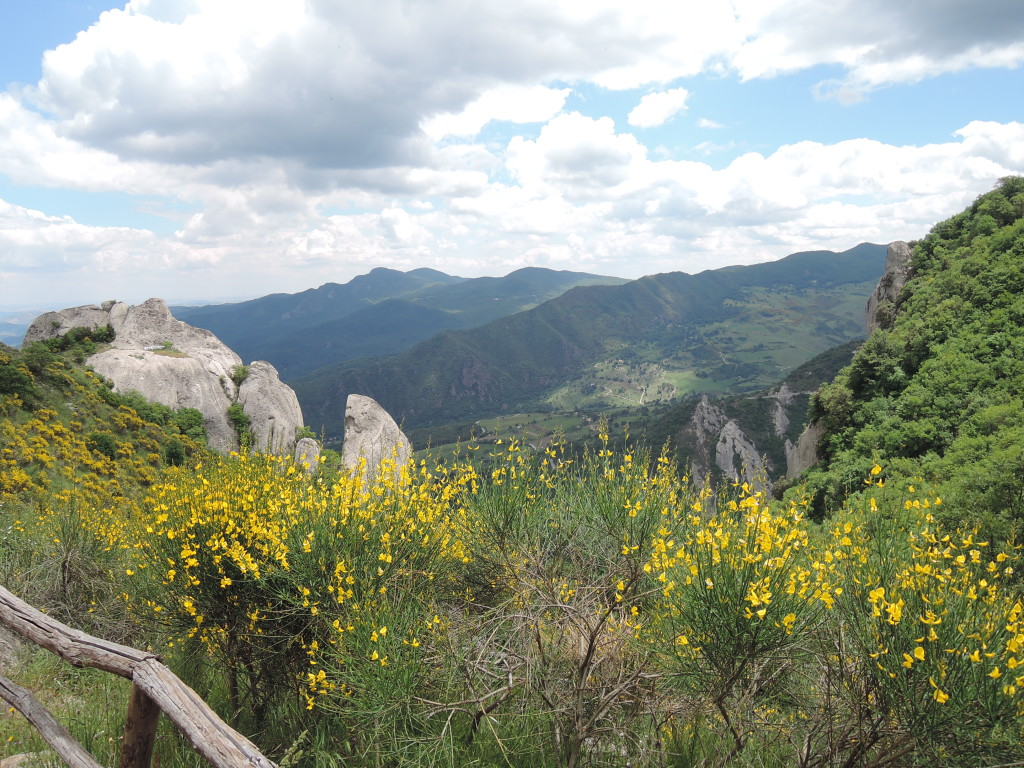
{"points": [[534, 603]]}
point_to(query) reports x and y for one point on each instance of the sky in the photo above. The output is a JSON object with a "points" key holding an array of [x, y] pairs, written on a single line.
{"points": [[206, 150]]}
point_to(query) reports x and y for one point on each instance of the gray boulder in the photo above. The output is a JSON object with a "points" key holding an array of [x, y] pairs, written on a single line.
{"points": [[272, 408], [371, 434]]}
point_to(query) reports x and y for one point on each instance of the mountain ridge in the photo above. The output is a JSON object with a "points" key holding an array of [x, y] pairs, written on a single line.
{"points": [[336, 322], [507, 362]]}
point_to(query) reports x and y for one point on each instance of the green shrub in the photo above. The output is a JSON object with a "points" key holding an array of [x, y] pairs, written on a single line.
{"points": [[242, 424], [102, 442], [239, 374]]}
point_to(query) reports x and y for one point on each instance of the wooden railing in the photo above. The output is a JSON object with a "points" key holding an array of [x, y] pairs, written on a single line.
{"points": [[155, 689]]}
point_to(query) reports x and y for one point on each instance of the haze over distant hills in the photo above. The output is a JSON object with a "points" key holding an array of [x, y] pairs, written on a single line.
{"points": [[653, 339], [380, 313]]}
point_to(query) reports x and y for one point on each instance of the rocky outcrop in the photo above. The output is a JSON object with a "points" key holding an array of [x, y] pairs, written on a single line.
{"points": [[52, 324], [737, 456], [721, 444], [272, 407], [371, 434], [882, 303], [804, 454], [173, 363]]}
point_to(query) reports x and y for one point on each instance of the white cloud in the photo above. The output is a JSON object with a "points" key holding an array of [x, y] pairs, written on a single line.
{"points": [[658, 108], [879, 42], [304, 140], [513, 103]]}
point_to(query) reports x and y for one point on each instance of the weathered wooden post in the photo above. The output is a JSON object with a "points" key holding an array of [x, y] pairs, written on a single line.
{"points": [[139, 730]]}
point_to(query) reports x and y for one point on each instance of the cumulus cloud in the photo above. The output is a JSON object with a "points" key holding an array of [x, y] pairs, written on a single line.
{"points": [[513, 103], [308, 140], [878, 42], [658, 108], [367, 86]]}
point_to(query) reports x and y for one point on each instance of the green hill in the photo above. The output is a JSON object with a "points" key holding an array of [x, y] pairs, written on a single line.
{"points": [[935, 395], [381, 313], [651, 340]]}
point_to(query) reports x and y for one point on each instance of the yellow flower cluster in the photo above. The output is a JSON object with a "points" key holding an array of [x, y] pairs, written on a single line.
{"points": [[250, 552]]}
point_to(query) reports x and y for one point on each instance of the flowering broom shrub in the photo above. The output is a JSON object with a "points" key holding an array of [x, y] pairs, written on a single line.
{"points": [[289, 584], [933, 619], [583, 610]]}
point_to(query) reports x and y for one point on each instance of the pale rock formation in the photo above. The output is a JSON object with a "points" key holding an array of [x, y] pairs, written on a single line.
{"points": [[371, 434], [272, 408], [734, 453], [805, 454], [307, 452], [52, 324], [173, 363], [737, 456], [882, 302]]}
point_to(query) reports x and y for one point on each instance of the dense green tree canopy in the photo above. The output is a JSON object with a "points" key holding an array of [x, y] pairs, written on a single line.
{"points": [[936, 395]]}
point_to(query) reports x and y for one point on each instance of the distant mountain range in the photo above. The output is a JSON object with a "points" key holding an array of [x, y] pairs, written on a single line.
{"points": [[649, 340], [380, 313]]}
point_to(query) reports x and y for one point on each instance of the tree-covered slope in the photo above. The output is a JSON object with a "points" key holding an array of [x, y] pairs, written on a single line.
{"points": [[739, 328], [938, 392], [381, 313]]}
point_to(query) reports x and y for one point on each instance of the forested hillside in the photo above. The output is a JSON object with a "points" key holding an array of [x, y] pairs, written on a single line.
{"points": [[381, 313], [734, 329], [938, 392]]}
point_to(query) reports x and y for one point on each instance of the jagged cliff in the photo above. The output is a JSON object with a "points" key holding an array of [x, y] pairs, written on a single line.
{"points": [[177, 365], [882, 304], [722, 445], [753, 438]]}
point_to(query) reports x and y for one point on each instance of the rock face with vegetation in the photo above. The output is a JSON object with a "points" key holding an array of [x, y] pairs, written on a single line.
{"points": [[883, 300], [753, 438], [174, 364], [721, 444], [272, 408]]}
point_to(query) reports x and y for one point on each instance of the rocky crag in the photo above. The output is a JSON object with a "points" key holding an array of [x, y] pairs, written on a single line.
{"points": [[880, 310], [882, 304], [720, 445], [177, 365]]}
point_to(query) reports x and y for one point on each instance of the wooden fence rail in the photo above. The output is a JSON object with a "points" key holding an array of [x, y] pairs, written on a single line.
{"points": [[155, 689]]}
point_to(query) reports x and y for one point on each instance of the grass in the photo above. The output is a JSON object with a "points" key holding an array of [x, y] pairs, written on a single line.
{"points": [[89, 702]]}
